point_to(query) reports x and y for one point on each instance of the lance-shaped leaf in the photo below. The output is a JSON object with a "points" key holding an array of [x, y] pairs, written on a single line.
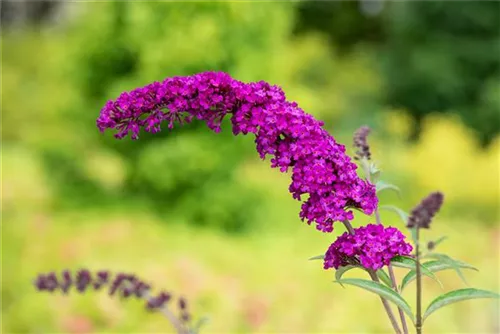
{"points": [[317, 257], [381, 290], [382, 275], [402, 214], [381, 186], [448, 260], [433, 266], [342, 270], [411, 263], [457, 296]]}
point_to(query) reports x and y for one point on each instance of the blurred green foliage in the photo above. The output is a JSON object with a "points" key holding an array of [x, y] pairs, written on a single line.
{"points": [[112, 47], [345, 24], [444, 56], [57, 78], [439, 56]]}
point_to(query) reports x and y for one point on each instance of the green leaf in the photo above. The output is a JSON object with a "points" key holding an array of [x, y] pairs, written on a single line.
{"points": [[382, 291], [382, 275], [457, 296], [402, 214], [317, 257], [411, 263], [381, 186], [403, 262], [342, 270], [448, 260], [433, 266]]}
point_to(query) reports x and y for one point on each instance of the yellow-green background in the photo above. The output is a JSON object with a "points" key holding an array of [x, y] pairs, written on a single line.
{"points": [[254, 280]]}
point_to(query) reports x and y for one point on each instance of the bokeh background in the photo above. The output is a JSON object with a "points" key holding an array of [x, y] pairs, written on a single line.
{"points": [[198, 213]]}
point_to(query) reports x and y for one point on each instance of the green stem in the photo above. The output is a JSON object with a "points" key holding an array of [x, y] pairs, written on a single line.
{"points": [[400, 310], [348, 226], [374, 278], [391, 270], [418, 324]]}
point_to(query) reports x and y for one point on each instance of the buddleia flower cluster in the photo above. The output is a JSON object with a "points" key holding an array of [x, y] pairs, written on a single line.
{"points": [[371, 246], [323, 175]]}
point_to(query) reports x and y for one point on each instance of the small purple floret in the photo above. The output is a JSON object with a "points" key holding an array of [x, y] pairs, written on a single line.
{"points": [[321, 171], [372, 246]]}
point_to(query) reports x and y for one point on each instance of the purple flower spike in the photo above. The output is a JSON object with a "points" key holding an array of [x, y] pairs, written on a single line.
{"points": [[371, 246], [121, 284], [421, 216], [361, 143], [321, 171]]}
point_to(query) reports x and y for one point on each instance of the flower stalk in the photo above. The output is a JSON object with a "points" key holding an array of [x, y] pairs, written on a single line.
{"points": [[400, 310], [374, 278], [421, 217], [364, 155], [418, 324], [393, 277]]}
